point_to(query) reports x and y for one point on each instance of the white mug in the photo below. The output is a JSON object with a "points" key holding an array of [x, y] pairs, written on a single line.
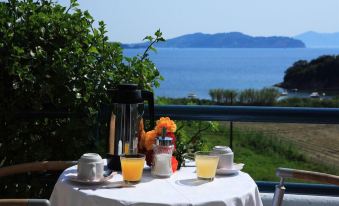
{"points": [[226, 157], [90, 167], [226, 161]]}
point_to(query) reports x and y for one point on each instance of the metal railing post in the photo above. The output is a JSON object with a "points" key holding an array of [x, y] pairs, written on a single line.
{"points": [[279, 193]]}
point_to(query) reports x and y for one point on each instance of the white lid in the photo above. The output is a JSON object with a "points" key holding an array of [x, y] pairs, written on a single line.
{"points": [[90, 157], [222, 149]]}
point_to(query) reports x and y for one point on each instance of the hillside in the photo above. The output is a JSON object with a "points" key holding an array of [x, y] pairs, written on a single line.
{"points": [[225, 40], [319, 40], [318, 74]]}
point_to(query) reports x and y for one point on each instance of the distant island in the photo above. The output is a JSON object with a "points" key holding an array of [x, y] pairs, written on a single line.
{"points": [[321, 73], [319, 40], [224, 40]]}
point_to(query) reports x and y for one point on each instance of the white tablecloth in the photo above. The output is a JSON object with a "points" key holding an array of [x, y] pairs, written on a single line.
{"points": [[182, 188]]}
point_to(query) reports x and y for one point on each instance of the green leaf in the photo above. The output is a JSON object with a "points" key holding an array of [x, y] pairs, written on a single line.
{"points": [[102, 23], [74, 3], [153, 49], [158, 33], [87, 15], [149, 38], [161, 39], [93, 49]]}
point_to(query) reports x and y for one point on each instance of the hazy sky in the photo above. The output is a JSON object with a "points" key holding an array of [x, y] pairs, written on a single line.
{"points": [[131, 20]]}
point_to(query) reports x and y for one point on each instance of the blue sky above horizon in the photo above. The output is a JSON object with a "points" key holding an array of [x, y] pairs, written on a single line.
{"points": [[129, 21]]}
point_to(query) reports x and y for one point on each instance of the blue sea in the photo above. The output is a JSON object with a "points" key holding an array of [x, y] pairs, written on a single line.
{"points": [[196, 71]]}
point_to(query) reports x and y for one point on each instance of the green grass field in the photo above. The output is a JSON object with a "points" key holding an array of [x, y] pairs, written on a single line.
{"points": [[261, 153]]}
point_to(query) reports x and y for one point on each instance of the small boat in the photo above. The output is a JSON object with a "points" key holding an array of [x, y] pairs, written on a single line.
{"points": [[192, 96], [314, 95], [284, 93]]}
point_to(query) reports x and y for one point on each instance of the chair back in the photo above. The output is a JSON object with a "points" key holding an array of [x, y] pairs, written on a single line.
{"points": [[32, 167], [302, 175]]}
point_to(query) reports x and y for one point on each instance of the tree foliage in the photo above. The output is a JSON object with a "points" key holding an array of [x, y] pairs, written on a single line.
{"points": [[52, 58], [264, 96], [321, 73]]}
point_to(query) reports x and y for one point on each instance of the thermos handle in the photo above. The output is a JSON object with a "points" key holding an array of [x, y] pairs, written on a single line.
{"points": [[149, 97]]}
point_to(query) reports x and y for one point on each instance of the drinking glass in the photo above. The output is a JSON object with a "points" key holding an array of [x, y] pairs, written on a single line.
{"points": [[132, 166], [206, 163]]}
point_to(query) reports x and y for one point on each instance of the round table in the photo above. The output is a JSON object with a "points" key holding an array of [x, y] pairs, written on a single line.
{"points": [[182, 188]]}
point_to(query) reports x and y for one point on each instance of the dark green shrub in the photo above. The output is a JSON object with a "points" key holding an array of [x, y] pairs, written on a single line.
{"points": [[52, 58], [321, 73]]}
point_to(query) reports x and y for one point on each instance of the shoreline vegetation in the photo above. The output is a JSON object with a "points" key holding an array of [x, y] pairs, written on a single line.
{"points": [[252, 97]]}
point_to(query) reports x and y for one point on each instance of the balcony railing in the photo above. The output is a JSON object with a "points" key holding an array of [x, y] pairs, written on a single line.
{"points": [[249, 114]]}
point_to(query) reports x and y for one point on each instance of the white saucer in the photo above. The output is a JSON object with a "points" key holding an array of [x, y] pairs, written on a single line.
{"points": [[235, 169], [74, 178]]}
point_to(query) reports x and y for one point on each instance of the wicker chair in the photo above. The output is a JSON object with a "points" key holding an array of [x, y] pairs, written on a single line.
{"points": [[299, 174], [32, 167]]}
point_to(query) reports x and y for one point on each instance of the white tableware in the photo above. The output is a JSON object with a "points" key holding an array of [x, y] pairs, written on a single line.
{"points": [[90, 167], [226, 156], [75, 178], [229, 171]]}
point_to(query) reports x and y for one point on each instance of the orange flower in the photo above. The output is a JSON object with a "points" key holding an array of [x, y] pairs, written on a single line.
{"points": [[174, 164], [150, 139], [165, 122]]}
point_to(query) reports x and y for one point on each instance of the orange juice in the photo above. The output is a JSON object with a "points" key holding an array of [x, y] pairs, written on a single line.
{"points": [[126, 148], [132, 167], [206, 165]]}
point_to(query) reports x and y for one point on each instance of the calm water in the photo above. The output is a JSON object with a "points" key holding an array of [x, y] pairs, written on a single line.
{"points": [[198, 70]]}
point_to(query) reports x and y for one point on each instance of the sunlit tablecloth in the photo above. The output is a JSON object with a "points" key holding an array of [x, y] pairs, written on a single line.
{"points": [[182, 188]]}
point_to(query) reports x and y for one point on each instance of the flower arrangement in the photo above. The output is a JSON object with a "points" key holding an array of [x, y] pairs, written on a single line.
{"points": [[147, 139]]}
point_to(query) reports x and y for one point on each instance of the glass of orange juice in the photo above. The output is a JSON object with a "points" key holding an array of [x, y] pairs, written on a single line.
{"points": [[206, 164], [132, 166]]}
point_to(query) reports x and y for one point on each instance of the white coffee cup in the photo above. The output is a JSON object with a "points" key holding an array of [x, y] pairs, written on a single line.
{"points": [[90, 167], [226, 156]]}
